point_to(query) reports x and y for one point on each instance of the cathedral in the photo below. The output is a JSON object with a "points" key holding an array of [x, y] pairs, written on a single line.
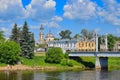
{"points": [[45, 39]]}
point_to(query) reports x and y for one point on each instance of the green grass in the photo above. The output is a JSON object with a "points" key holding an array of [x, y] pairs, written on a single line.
{"points": [[40, 61], [114, 63], [81, 62], [40, 54], [3, 64]]}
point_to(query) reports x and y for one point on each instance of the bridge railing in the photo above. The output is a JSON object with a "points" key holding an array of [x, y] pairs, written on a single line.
{"points": [[102, 50]]}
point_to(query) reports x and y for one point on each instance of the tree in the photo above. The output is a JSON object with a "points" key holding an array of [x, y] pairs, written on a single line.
{"points": [[54, 55], [111, 41], [27, 42], [15, 35], [32, 45], [1, 36], [65, 34], [76, 36], [87, 34], [101, 41], [9, 52]]}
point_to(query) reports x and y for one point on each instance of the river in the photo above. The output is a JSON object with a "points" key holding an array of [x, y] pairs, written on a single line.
{"points": [[67, 75]]}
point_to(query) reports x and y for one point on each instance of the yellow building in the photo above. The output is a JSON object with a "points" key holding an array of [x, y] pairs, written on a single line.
{"points": [[86, 45], [49, 37]]}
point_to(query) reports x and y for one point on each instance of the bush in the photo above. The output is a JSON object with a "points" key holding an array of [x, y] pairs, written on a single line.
{"points": [[64, 62], [54, 55], [9, 52], [70, 63]]}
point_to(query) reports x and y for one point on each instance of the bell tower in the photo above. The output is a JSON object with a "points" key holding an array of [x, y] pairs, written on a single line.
{"points": [[41, 34]]}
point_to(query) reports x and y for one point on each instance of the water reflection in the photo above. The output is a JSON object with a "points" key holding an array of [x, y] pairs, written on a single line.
{"points": [[70, 75]]}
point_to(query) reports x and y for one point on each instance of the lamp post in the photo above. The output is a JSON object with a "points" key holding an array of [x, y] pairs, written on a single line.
{"points": [[106, 42], [96, 39]]}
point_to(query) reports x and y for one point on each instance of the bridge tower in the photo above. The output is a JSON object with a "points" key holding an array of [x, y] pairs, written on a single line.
{"points": [[101, 62]]}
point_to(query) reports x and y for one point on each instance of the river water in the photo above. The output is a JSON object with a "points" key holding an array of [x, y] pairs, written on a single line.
{"points": [[68, 75]]}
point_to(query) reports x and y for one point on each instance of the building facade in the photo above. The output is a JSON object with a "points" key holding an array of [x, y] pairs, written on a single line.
{"points": [[117, 46], [45, 39], [86, 45], [65, 44], [74, 44]]}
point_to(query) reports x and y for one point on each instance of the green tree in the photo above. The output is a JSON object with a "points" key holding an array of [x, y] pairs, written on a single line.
{"points": [[65, 34], [9, 52], [111, 42], [76, 36], [27, 42], [54, 55], [87, 34], [15, 35], [32, 45], [1, 36], [101, 41]]}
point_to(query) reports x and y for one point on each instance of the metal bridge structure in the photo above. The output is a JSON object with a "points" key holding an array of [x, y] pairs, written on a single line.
{"points": [[101, 57]]}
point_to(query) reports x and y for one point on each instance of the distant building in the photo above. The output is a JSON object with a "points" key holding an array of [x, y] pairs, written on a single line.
{"points": [[65, 44], [86, 45], [73, 44], [43, 39], [42, 35], [117, 46], [49, 37]]}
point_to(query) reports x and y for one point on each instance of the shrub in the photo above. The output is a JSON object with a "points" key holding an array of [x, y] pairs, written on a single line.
{"points": [[9, 52], [70, 63], [54, 55], [64, 62], [66, 55]]}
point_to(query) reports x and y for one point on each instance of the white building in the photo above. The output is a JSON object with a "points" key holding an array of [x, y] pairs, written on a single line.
{"points": [[65, 44]]}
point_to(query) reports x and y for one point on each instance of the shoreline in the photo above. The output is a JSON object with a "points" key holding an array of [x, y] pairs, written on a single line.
{"points": [[41, 68]]}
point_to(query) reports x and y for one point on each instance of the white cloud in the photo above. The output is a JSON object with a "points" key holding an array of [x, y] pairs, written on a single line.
{"points": [[53, 24], [6, 31], [41, 10], [118, 30], [11, 10], [49, 4], [57, 18], [34, 27], [80, 9], [86, 10]]}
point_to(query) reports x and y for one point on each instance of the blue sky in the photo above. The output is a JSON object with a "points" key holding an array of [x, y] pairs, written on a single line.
{"points": [[102, 16]]}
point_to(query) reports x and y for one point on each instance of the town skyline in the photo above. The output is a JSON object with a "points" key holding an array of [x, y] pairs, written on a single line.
{"points": [[55, 15]]}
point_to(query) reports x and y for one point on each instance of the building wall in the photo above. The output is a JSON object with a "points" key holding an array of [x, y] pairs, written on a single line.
{"points": [[86, 46], [42, 38], [117, 46], [73, 45], [49, 39]]}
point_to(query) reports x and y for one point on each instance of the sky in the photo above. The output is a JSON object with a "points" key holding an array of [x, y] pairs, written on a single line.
{"points": [[103, 16]]}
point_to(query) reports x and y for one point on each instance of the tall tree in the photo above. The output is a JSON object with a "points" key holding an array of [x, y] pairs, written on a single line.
{"points": [[76, 36], [87, 34], [111, 42], [32, 45], [15, 35], [1, 36], [65, 34], [27, 42]]}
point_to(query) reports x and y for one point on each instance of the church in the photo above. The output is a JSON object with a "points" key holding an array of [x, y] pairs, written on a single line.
{"points": [[45, 39]]}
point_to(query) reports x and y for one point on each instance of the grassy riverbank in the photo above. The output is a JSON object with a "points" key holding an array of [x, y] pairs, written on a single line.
{"points": [[114, 63], [77, 63]]}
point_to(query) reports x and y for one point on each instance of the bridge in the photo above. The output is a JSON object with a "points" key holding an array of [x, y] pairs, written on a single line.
{"points": [[101, 58], [95, 54]]}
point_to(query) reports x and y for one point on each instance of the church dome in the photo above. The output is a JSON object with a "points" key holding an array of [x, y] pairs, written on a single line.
{"points": [[49, 35]]}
